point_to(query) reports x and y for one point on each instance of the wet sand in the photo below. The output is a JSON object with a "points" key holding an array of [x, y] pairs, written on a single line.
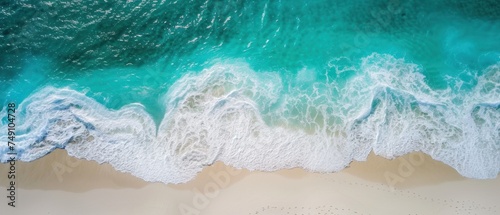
{"points": [[412, 184]]}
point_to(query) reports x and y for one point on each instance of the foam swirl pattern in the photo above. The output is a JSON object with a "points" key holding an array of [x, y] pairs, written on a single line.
{"points": [[230, 113]]}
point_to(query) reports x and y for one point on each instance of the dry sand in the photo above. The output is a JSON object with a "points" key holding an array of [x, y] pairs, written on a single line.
{"points": [[412, 184]]}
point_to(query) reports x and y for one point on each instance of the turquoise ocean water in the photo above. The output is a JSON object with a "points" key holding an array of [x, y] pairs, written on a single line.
{"points": [[161, 88]]}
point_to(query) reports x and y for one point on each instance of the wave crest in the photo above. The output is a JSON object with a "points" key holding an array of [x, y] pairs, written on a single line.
{"points": [[252, 120]]}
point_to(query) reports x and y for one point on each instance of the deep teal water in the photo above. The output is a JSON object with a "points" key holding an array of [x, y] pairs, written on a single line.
{"points": [[325, 68]]}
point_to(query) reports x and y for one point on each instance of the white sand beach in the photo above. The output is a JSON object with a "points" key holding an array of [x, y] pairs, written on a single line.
{"points": [[413, 184]]}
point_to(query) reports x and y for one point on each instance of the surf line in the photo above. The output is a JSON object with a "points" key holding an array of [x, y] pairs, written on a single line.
{"points": [[11, 152]]}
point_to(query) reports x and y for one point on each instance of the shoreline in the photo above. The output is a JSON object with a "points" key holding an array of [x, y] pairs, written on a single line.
{"points": [[414, 183]]}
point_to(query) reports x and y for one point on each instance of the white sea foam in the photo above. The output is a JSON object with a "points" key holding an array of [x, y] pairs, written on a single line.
{"points": [[248, 120]]}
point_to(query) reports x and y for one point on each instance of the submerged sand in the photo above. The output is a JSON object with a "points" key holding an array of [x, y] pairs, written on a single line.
{"points": [[412, 184]]}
